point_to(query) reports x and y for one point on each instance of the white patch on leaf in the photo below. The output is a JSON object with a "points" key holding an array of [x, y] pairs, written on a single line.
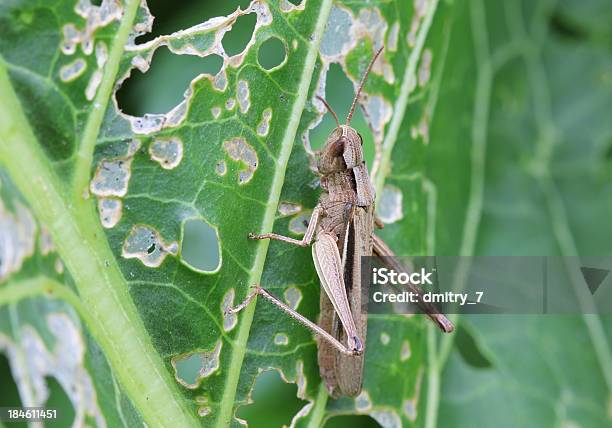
{"points": [[31, 362], [300, 379], [221, 168], [141, 64], [203, 411], [377, 112], [424, 73], [421, 130], [168, 153], [387, 418], [95, 17], [240, 151], [72, 70], [338, 38], [92, 86], [101, 54], [230, 104], [17, 238], [286, 6], [419, 10], [409, 408], [144, 243], [299, 223], [111, 177], [264, 126], [405, 352], [230, 319], [293, 296], [110, 211], [384, 338], [390, 208], [363, 404], [281, 339], [288, 208], [244, 96], [393, 37]]}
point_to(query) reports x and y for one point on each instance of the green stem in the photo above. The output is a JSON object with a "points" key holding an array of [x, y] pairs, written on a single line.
{"points": [[318, 411], [77, 234], [231, 383], [98, 107]]}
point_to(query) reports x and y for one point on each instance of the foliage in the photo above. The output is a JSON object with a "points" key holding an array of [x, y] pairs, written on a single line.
{"points": [[485, 126]]}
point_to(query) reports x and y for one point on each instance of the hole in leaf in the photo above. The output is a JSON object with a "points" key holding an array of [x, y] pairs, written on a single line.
{"points": [[275, 402], [469, 350], [271, 53], [339, 93], [58, 399], [235, 41], [188, 369], [154, 92], [174, 16], [200, 246], [562, 26], [191, 368], [353, 421]]}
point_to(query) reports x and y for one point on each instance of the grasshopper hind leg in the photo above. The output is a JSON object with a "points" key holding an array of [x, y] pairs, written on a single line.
{"points": [[318, 331]]}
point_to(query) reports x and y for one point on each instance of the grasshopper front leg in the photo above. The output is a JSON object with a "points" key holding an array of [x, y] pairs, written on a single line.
{"points": [[305, 241]]}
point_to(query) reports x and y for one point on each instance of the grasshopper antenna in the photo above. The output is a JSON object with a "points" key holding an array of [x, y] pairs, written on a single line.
{"points": [[329, 109], [365, 77]]}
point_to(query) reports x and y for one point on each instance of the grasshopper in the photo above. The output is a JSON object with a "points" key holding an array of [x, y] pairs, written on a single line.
{"points": [[341, 227]]}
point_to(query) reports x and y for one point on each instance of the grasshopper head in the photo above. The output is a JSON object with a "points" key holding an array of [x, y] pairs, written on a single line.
{"points": [[343, 150]]}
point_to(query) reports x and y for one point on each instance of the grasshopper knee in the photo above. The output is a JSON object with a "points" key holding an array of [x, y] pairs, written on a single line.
{"points": [[356, 345]]}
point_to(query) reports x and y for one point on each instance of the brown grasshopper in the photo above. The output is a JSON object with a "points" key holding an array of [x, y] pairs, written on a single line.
{"points": [[342, 226]]}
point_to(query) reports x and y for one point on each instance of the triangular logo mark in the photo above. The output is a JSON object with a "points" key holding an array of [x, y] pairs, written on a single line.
{"points": [[594, 277]]}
